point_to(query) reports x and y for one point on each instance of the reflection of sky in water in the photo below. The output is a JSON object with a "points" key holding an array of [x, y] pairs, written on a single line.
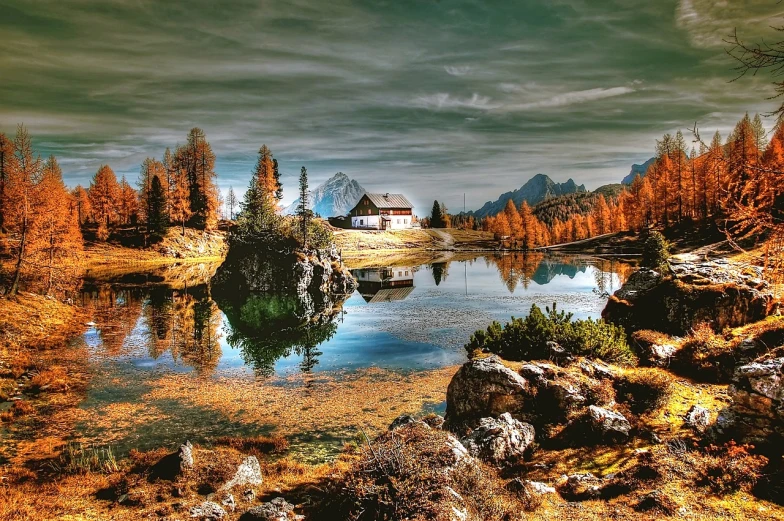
{"points": [[425, 329]]}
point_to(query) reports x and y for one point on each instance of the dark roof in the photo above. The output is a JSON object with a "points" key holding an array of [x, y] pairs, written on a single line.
{"points": [[388, 295], [389, 200]]}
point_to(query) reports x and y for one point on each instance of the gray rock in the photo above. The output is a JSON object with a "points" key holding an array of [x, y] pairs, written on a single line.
{"points": [[719, 293], [229, 503], [609, 425], [484, 388], [208, 511], [276, 510], [185, 453], [698, 418], [499, 440], [403, 419], [248, 473], [756, 414], [579, 486]]}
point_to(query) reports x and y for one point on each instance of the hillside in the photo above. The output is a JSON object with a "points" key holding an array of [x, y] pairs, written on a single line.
{"points": [[534, 191], [563, 207], [336, 196]]}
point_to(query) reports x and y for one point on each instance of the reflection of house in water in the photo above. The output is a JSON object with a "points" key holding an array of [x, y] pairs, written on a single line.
{"points": [[385, 284]]}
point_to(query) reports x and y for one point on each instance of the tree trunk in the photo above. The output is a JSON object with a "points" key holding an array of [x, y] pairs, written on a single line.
{"points": [[51, 261], [20, 258]]}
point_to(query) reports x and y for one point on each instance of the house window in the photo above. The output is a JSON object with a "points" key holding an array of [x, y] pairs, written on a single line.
{"points": [[361, 222], [398, 221], [369, 210], [405, 221]]}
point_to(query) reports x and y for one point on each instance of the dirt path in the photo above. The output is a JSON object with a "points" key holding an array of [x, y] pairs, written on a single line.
{"points": [[447, 241]]}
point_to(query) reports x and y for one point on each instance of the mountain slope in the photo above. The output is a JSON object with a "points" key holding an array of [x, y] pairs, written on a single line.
{"points": [[637, 169], [536, 190], [336, 196]]}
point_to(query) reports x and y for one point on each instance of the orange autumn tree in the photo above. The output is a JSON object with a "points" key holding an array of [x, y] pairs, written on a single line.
{"points": [[197, 161], [7, 163], [56, 246], [21, 198], [81, 202], [128, 208], [152, 168], [105, 195]]}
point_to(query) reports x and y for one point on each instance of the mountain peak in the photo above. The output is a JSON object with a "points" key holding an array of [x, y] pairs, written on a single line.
{"points": [[535, 190], [335, 196]]}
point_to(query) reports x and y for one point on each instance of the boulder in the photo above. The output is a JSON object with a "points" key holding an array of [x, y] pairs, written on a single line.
{"points": [[207, 511], [499, 440], [403, 419], [248, 474], [717, 292], [484, 388], [276, 510], [698, 418], [579, 487], [757, 411], [608, 425], [172, 465]]}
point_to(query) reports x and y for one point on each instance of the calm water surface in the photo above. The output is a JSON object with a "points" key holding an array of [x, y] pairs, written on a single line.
{"points": [[405, 319]]}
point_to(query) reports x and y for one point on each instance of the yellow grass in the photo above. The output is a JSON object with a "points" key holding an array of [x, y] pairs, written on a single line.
{"points": [[353, 242]]}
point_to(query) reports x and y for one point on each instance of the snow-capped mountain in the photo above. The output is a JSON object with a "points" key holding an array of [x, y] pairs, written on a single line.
{"points": [[334, 197]]}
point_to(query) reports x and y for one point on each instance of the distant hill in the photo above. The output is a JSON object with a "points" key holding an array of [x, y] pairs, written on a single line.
{"points": [[334, 197], [536, 190], [637, 169], [582, 203]]}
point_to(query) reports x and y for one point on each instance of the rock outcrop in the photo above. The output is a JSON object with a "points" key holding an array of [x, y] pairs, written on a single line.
{"points": [[207, 511], [248, 473], [717, 292], [757, 411], [173, 465], [484, 388], [500, 441]]}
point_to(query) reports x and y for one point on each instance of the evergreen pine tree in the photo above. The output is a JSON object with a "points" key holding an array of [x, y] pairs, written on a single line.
{"points": [[436, 218]]}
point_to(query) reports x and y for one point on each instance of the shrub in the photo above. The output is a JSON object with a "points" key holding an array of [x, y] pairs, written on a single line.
{"points": [[731, 467], [527, 338], [643, 389], [656, 251]]}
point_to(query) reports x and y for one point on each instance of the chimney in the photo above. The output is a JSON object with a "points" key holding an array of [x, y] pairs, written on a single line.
{"points": [[386, 195]]}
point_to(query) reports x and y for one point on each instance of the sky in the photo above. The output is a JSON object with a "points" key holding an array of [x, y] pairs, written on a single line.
{"points": [[431, 98]]}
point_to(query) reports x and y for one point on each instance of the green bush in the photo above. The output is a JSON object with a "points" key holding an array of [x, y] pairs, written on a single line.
{"points": [[526, 338], [656, 251]]}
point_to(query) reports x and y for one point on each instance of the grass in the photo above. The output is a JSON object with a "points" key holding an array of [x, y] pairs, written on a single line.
{"points": [[354, 242]]}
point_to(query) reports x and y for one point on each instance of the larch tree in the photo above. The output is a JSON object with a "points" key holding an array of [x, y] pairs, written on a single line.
{"points": [[527, 225], [129, 203], [21, 201], [81, 202], [156, 212], [513, 217], [56, 245], [197, 160], [150, 169], [179, 199], [7, 164], [105, 195]]}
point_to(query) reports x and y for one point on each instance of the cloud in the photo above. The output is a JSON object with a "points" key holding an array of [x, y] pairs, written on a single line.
{"points": [[709, 23], [457, 70], [572, 98], [443, 100]]}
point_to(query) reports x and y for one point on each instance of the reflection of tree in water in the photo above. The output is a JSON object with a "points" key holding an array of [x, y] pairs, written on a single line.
{"points": [[185, 323], [114, 311], [609, 275], [516, 268], [267, 327], [440, 271]]}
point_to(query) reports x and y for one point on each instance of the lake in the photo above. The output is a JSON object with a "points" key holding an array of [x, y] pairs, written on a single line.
{"points": [[171, 362]]}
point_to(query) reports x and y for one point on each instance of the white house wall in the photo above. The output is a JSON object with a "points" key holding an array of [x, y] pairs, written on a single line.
{"points": [[396, 222]]}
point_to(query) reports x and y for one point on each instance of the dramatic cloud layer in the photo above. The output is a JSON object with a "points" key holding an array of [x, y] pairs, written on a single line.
{"points": [[431, 98]]}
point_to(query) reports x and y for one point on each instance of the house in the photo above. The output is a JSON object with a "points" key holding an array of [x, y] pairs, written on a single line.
{"points": [[382, 212], [384, 284]]}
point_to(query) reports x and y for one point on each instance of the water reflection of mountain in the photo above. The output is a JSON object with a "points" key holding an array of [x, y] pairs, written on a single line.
{"points": [[548, 270], [384, 284]]}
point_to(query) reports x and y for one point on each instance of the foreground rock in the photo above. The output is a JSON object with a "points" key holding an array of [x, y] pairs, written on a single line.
{"points": [[757, 411], [484, 388], [173, 465], [608, 426], [718, 292], [501, 440], [248, 474], [208, 511], [276, 510]]}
